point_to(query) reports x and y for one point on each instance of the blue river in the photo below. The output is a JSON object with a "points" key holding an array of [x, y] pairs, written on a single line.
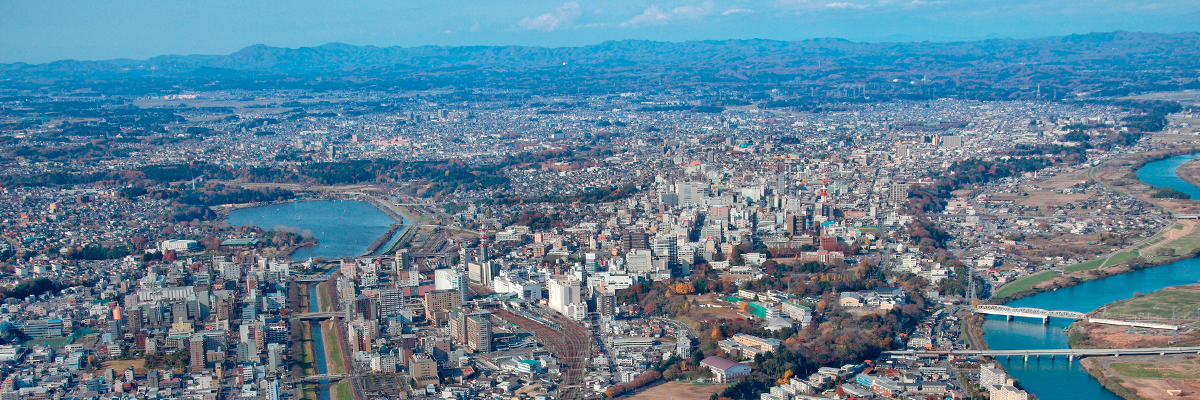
{"points": [[1060, 378], [318, 344], [345, 228]]}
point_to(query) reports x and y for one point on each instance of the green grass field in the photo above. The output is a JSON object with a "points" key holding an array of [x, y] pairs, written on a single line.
{"points": [[1084, 266], [52, 342], [306, 350], [323, 300], [1181, 370], [1183, 246], [335, 363], [1024, 283], [1159, 304], [1120, 258], [342, 390]]}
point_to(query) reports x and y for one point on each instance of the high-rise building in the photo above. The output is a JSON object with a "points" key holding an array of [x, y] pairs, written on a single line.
{"points": [[275, 353], [449, 279], [606, 305], [133, 319], [366, 308], [639, 262], [565, 298], [667, 246], [438, 301], [691, 193], [635, 240], [483, 272], [951, 142], [196, 352], [479, 333], [391, 302], [423, 369], [898, 193]]}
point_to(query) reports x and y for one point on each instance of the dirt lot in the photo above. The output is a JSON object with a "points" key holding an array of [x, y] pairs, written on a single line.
{"points": [[678, 391], [1124, 337], [1150, 377], [118, 366]]}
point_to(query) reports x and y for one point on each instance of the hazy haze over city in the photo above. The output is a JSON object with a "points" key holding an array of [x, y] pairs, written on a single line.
{"points": [[43, 31]]}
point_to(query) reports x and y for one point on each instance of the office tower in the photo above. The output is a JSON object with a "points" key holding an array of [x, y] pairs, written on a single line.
{"points": [[275, 353], [639, 262], [667, 246], [606, 305], [391, 302], [565, 297], [438, 301], [635, 240], [449, 279], [691, 193], [479, 333], [196, 352], [483, 272], [898, 193]]}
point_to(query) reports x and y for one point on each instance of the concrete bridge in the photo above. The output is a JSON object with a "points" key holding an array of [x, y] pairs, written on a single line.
{"points": [[311, 278], [1071, 354], [1045, 316], [321, 377], [320, 315]]}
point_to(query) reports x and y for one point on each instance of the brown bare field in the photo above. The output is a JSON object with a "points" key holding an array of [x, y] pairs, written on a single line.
{"points": [[1119, 337], [118, 366], [678, 391]]}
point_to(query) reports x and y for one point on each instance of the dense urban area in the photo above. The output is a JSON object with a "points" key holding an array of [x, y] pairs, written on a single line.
{"points": [[692, 241]]}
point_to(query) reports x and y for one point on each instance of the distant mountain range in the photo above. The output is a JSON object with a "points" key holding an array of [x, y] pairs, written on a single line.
{"points": [[1097, 61]]}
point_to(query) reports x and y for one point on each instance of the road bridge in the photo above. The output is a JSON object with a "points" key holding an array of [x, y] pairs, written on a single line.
{"points": [[321, 377], [1052, 353], [311, 278], [320, 315]]}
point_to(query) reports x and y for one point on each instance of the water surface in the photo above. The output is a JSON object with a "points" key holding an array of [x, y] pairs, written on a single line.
{"points": [[345, 228], [1059, 378]]}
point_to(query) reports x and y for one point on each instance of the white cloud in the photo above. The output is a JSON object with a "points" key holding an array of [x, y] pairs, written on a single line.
{"points": [[654, 15], [845, 5], [732, 11], [561, 18], [916, 3]]}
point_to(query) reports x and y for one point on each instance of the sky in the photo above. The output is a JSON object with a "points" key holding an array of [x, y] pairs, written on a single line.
{"points": [[39, 31]]}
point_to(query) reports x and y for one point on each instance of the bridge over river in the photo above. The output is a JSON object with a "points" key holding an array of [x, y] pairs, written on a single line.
{"points": [[1045, 315], [1038, 353]]}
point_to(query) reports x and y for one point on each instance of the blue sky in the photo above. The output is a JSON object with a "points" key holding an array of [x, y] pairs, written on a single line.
{"points": [[38, 31]]}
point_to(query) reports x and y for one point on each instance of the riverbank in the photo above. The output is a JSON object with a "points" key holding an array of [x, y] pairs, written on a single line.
{"points": [[1190, 173], [1145, 377]]}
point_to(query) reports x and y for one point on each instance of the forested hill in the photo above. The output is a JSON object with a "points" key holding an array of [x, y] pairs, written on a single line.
{"points": [[1114, 62]]}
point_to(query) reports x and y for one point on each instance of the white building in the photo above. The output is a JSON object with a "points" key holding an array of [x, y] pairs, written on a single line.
{"points": [[178, 245]]}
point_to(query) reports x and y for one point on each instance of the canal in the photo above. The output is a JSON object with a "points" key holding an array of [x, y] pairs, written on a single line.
{"points": [[1060, 378], [318, 343]]}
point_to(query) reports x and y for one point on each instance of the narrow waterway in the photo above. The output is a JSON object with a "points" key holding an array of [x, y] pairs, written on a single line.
{"points": [[1060, 378], [318, 343]]}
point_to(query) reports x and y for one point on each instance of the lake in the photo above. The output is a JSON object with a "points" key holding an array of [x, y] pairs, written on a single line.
{"points": [[345, 228]]}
